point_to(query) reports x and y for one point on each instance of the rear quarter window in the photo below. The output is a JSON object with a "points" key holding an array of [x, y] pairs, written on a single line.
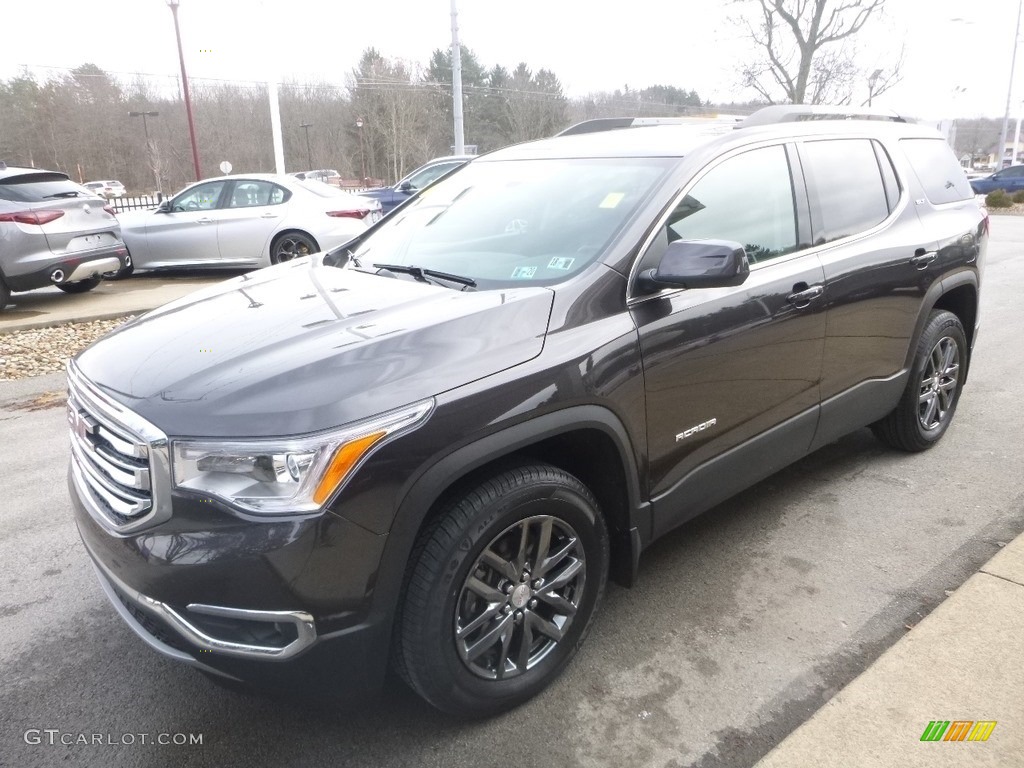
{"points": [[943, 179]]}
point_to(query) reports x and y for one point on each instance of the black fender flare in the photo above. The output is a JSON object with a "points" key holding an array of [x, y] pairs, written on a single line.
{"points": [[429, 485], [935, 292]]}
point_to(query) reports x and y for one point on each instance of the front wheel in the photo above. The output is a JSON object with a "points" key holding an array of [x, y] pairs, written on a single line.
{"points": [[291, 245], [926, 409], [502, 587], [80, 286]]}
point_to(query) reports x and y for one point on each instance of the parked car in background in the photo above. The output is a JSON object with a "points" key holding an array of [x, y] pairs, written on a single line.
{"points": [[326, 175], [1010, 179], [54, 232], [244, 221], [391, 197], [106, 189]]}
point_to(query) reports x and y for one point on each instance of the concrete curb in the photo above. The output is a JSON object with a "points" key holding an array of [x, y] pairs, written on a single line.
{"points": [[32, 326], [960, 663]]}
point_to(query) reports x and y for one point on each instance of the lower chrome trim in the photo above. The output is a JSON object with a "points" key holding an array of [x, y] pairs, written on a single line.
{"points": [[160, 647], [304, 625]]}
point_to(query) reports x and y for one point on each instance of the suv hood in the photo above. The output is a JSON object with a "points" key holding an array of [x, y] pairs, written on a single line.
{"points": [[303, 347]]}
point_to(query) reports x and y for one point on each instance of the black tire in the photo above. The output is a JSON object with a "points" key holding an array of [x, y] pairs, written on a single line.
{"points": [[5, 294], [291, 245], [929, 402], [80, 286], [497, 515]]}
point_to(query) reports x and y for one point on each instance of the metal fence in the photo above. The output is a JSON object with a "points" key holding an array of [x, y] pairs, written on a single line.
{"points": [[140, 203]]}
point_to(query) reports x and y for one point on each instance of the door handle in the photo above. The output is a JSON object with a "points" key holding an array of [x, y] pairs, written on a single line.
{"points": [[269, 216], [205, 221], [923, 258], [804, 295]]}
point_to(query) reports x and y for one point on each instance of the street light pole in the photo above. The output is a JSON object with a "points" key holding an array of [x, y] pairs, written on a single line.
{"points": [[309, 154], [1001, 150], [173, 4], [149, 145]]}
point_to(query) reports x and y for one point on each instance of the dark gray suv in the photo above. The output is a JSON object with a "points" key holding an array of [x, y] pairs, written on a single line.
{"points": [[429, 449], [54, 232]]}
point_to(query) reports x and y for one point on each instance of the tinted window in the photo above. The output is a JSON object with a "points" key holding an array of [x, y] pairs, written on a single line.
{"points": [[940, 174], [847, 196], [1014, 172], [747, 199], [36, 187]]}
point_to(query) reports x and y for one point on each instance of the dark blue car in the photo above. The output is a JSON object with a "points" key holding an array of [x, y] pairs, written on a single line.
{"points": [[1011, 179], [390, 197]]}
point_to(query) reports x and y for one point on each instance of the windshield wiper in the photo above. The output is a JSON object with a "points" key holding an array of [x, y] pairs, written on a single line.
{"points": [[70, 193], [422, 274]]}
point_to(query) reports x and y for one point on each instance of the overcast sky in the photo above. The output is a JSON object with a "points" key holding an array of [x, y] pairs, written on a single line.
{"points": [[957, 62]]}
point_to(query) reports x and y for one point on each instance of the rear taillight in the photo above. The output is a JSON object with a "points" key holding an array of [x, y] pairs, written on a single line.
{"points": [[358, 213], [109, 209], [32, 217]]}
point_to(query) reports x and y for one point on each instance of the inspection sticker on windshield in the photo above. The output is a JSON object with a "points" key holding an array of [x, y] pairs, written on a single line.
{"points": [[523, 273], [561, 262], [612, 199]]}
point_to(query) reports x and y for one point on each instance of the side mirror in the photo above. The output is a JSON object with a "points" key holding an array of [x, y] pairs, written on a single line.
{"points": [[406, 187], [698, 264], [164, 207]]}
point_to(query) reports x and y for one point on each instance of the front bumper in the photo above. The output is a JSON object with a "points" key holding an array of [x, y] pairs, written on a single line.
{"points": [[275, 604]]}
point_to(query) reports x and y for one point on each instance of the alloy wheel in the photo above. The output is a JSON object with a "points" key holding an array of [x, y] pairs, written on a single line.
{"points": [[520, 597], [939, 384]]}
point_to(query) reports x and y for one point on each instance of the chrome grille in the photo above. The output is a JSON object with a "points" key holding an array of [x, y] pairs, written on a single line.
{"points": [[118, 460]]}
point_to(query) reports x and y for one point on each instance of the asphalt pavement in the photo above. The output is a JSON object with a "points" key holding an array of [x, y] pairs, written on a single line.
{"points": [[743, 624]]}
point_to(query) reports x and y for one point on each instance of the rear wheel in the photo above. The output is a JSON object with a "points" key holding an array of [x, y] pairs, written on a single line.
{"points": [[80, 286], [926, 409], [502, 588], [5, 294], [291, 245]]}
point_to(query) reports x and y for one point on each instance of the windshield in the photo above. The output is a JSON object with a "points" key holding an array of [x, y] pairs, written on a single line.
{"points": [[515, 222]]}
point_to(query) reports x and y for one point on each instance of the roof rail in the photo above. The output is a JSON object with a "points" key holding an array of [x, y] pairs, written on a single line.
{"points": [[600, 124], [790, 113]]}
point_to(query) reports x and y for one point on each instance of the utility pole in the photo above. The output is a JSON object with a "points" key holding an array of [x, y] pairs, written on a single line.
{"points": [[309, 154], [184, 86], [460, 139], [1001, 150]]}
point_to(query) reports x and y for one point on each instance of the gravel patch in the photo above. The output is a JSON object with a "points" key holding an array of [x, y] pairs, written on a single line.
{"points": [[44, 350]]}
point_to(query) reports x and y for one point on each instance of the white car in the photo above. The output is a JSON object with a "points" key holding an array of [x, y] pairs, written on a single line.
{"points": [[106, 189], [251, 220]]}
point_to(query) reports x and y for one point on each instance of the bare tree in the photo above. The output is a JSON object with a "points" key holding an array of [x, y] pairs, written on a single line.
{"points": [[805, 46]]}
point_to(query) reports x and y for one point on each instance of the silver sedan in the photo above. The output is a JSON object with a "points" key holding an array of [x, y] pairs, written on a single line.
{"points": [[241, 221]]}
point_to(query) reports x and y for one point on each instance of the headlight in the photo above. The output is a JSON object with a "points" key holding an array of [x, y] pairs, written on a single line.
{"points": [[287, 475]]}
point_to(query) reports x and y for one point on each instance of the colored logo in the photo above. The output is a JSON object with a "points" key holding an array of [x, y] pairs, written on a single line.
{"points": [[958, 730]]}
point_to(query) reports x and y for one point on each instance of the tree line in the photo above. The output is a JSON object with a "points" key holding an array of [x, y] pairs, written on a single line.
{"points": [[390, 116]]}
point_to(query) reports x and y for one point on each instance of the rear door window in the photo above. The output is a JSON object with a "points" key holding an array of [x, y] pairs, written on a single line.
{"points": [[845, 185], [940, 174]]}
